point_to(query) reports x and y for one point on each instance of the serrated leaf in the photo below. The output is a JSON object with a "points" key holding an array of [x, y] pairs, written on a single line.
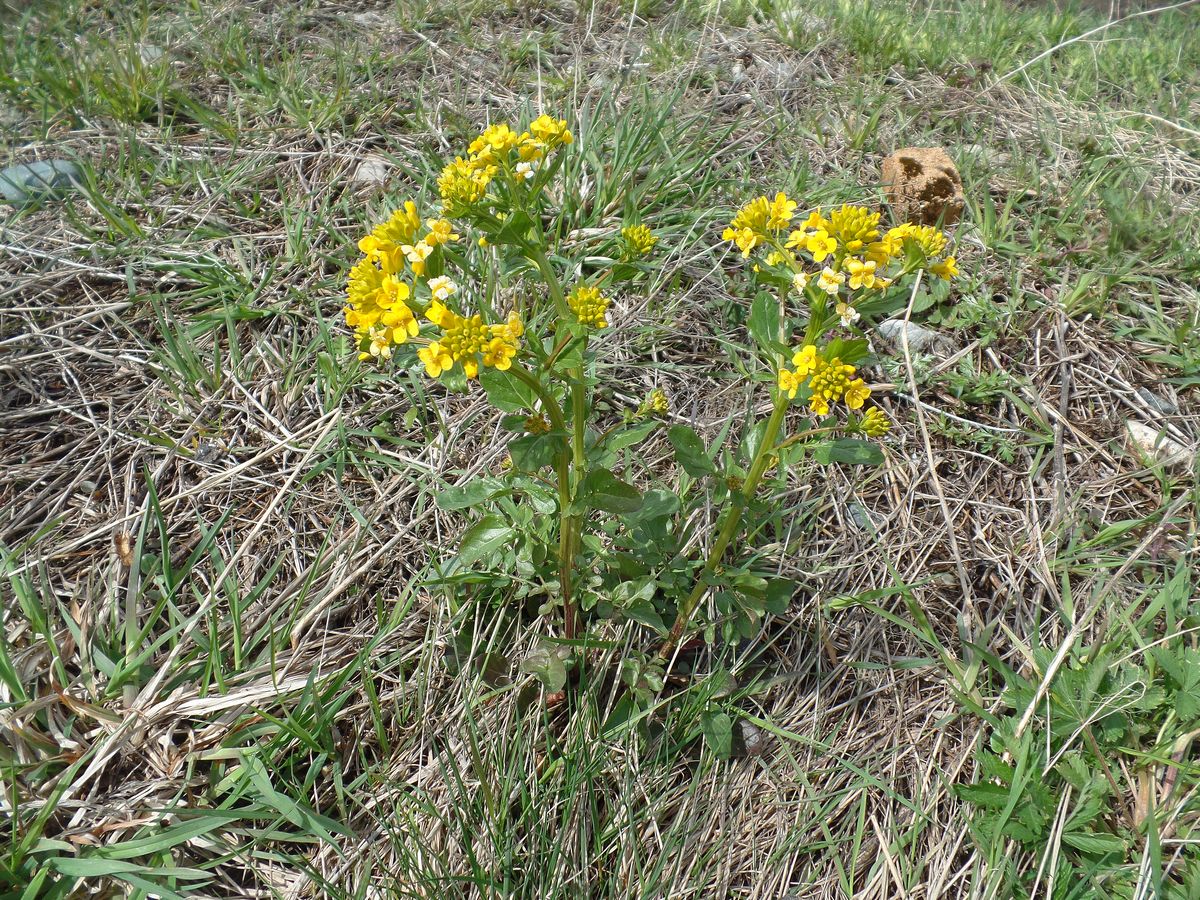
{"points": [[689, 451]]}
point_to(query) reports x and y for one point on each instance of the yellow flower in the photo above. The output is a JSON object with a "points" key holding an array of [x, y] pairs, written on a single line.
{"points": [[830, 280], [416, 254], [874, 423], [789, 382], [530, 150], [463, 183], [746, 239], [440, 232], [884, 250], [800, 282], [805, 360], [380, 347], [947, 268], [639, 241], [495, 139], [589, 306], [854, 227], [862, 274], [856, 393], [754, 216], [820, 244], [829, 382], [363, 284], [815, 221], [550, 131], [400, 228], [436, 359], [377, 310], [931, 241], [483, 242], [781, 211], [442, 287], [439, 315], [848, 314], [401, 324], [658, 402]]}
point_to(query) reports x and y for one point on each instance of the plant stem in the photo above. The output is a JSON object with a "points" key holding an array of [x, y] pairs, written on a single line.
{"points": [[729, 526], [567, 526], [571, 526]]}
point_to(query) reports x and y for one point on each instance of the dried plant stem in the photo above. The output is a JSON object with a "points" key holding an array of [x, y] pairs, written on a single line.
{"points": [[730, 526]]}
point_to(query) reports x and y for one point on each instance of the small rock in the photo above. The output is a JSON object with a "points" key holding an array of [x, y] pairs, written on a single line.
{"points": [[1159, 404], [920, 339], [923, 186], [372, 170], [27, 182], [987, 156], [368, 19], [150, 53], [1156, 446]]}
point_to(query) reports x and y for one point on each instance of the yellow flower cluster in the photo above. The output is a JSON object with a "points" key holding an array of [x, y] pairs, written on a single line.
{"points": [[377, 291], [829, 380], [657, 403], [589, 306], [469, 341], [464, 182], [848, 245], [759, 221], [874, 423], [638, 240]]}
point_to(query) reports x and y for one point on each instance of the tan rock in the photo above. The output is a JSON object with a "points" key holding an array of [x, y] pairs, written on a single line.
{"points": [[923, 186]]}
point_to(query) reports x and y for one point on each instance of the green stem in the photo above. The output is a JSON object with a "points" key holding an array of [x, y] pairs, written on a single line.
{"points": [[567, 524], [730, 526]]}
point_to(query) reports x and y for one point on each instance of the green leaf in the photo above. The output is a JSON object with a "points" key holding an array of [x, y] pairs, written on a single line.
{"points": [[547, 665], [779, 594], [483, 539], [644, 612], [848, 450], [627, 437], [474, 492], [657, 504], [534, 451], [690, 452], [849, 350], [1094, 842], [506, 392], [601, 489], [764, 321], [515, 229], [718, 733]]}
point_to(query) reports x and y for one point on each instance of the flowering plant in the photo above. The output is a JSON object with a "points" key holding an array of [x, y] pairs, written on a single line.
{"points": [[586, 540]]}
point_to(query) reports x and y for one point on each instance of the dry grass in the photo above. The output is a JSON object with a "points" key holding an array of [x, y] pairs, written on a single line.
{"points": [[215, 535]]}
